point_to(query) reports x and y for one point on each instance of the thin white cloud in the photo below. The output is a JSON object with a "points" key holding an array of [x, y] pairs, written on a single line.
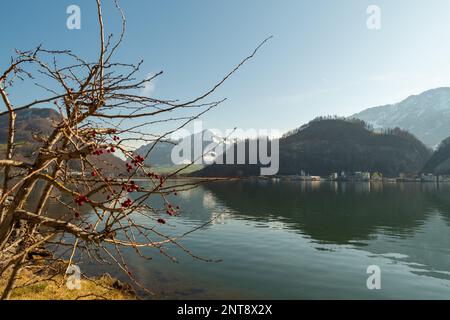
{"points": [[149, 87]]}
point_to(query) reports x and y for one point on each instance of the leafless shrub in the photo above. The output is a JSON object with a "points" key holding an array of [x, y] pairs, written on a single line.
{"points": [[94, 101]]}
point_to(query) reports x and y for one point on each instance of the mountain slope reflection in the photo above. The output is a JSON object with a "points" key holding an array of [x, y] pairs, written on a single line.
{"points": [[336, 213], [406, 223]]}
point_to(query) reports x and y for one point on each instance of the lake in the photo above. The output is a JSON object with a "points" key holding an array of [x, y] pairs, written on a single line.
{"points": [[304, 240]]}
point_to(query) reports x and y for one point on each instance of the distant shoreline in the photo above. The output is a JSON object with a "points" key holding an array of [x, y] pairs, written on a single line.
{"points": [[292, 179]]}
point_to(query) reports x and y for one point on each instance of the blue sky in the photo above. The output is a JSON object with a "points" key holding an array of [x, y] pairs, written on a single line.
{"points": [[322, 60]]}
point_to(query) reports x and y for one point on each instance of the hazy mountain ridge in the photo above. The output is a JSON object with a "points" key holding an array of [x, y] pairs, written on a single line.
{"points": [[29, 122], [160, 153], [40, 121], [426, 115]]}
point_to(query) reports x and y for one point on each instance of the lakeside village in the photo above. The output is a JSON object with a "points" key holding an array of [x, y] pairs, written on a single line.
{"points": [[368, 177], [358, 176]]}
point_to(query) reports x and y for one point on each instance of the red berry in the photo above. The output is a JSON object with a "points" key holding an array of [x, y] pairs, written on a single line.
{"points": [[80, 200], [127, 203]]}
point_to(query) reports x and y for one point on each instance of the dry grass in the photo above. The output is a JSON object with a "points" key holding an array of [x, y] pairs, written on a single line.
{"points": [[45, 286]]}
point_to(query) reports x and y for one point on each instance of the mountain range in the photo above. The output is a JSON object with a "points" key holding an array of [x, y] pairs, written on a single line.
{"points": [[426, 115], [377, 139]]}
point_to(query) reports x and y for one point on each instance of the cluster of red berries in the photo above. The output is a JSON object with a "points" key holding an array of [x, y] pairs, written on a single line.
{"points": [[152, 175], [130, 187], [127, 203], [116, 138], [97, 152], [137, 160], [155, 176], [161, 221], [129, 167], [101, 151], [80, 200], [171, 211]]}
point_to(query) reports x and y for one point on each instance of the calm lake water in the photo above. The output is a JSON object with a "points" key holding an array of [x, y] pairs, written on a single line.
{"points": [[299, 240]]}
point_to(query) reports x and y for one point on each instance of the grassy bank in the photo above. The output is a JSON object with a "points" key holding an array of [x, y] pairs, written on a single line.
{"points": [[49, 284]]}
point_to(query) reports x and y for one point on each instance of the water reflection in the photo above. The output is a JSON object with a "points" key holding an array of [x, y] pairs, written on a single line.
{"points": [[406, 223], [297, 239], [335, 213]]}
